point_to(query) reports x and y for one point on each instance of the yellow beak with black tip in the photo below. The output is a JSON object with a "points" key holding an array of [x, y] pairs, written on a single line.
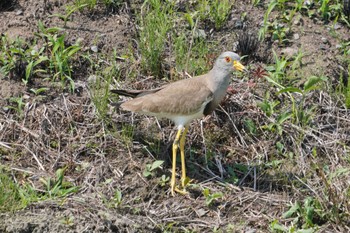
{"points": [[238, 66]]}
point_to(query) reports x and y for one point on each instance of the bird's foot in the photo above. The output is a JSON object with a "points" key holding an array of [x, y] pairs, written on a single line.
{"points": [[185, 181], [179, 190]]}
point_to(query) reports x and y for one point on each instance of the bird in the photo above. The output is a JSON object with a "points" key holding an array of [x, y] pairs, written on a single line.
{"points": [[183, 101]]}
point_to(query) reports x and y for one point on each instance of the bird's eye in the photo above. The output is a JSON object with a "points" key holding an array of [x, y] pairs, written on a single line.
{"points": [[227, 59]]}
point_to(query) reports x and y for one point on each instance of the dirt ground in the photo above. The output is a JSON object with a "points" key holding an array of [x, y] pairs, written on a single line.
{"points": [[99, 163]]}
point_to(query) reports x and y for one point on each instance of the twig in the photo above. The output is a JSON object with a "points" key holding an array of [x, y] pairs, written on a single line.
{"points": [[35, 157], [3, 144]]}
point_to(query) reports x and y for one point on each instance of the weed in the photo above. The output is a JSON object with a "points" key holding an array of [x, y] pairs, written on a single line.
{"points": [[127, 133], [307, 214], [268, 106], [164, 180], [60, 56], [217, 11], [301, 114], [53, 53], [191, 58], [211, 197], [150, 168], [155, 22], [250, 126], [67, 220], [58, 187], [70, 9], [117, 198], [15, 53], [263, 31], [109, 5], [10, 198], [19, 105], [39, 91], [99, 85]]}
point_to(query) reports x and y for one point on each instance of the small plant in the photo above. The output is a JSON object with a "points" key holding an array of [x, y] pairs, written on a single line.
{"points": [[301, 114], [308, 213], [191, 58], [250, 126], [99, 85], [10, 198], [211, 197], [67, 220], [268, 106], [155, 22], [58, 187], [263, 31], [307, 216], [276, 126], [219, 12], [164, 180], [117, 198], [70, 9], [19, 104], [150, 168], [39, 91], [127, 133], [20, 58]]}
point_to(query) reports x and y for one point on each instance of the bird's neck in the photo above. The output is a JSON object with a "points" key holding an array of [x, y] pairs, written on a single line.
{"points": [[219, 80]]}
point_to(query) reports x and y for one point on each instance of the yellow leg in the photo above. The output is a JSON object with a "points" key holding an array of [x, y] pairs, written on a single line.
{"points": [[182, 152], [173, 172]]}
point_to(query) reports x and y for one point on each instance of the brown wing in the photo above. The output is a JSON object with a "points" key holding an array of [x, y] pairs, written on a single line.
{"points": [[182, 97]]}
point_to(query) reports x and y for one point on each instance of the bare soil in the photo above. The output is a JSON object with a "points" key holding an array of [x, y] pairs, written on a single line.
{"points": [[100, 163]]}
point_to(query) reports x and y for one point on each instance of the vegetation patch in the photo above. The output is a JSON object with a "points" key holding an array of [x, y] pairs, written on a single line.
{"points": [[274, 156]]}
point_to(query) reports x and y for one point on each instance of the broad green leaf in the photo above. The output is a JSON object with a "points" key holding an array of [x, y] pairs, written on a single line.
{"points": [[312, 81], [156, 164], [292, 210], [290, 89]]}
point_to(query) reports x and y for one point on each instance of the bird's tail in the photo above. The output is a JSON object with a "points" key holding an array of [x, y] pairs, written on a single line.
{"points": [[135, 93], [128, 93]]}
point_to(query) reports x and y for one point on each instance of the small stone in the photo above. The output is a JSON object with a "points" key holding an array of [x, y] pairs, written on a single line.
{"points": [[337, 26], [25, 96], [19, 12], [239, 24], [324, 40], [200, 33], [296, 36], [92, 79], [289, 52], [307, 3], [338, 46], [201, 212], [323, 47], [94, 48]]}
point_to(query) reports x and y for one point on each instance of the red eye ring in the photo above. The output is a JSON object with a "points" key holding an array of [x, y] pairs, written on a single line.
{"points": [[227, 59]]}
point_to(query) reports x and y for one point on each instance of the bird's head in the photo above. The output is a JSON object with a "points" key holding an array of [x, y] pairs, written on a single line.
{"points": [[229, 61]]}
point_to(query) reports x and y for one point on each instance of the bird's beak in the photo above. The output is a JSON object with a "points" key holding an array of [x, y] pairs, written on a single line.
{"points": [[238, 66]]}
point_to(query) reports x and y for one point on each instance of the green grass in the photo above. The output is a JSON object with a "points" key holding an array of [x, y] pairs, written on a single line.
{"points": [[217, 11], [280, 27], [54, 59], [155, 22], [10, 197], [15, 196]]}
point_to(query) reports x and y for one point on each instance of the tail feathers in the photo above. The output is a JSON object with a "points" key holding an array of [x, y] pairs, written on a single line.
{"points": [[135, 93], [128, 93]]}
